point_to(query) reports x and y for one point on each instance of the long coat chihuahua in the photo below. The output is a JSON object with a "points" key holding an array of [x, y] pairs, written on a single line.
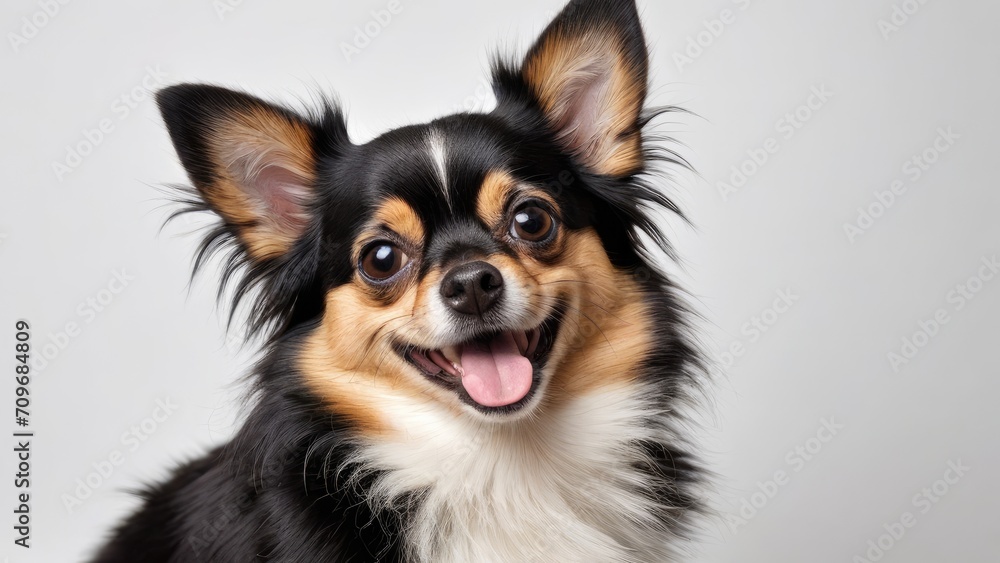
{"points": [[470, 355]]}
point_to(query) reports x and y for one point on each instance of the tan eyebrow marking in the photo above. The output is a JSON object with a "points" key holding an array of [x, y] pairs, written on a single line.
{"points": [[397, 216], [493, 196]]}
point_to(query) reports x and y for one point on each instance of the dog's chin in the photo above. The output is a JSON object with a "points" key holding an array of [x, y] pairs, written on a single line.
{"points": [[496, 373]]}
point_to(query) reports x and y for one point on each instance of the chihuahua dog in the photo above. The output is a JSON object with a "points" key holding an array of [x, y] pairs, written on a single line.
{"points": [[470, 355]]}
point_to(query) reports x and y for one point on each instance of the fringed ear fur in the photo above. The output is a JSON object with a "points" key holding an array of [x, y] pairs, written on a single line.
{"points": [[588, 73], [585, 80], [254, 164]]}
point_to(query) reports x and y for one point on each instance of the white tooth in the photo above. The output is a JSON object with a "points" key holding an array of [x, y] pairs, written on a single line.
{"points": [[522, 341], [438, 358], [453, 355]]}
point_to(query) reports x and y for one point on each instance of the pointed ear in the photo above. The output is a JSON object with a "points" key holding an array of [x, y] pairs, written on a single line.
{"points": [[253, 163], [588, 73]]}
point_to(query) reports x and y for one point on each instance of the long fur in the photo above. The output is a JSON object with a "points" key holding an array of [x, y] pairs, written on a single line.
{"points": [[605, 476]]}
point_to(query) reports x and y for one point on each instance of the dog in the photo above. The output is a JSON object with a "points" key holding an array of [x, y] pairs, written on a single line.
{"points": [[469, 352]]}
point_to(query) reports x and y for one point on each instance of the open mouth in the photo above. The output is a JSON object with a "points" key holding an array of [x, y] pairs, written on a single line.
{"points": [[497, 372]]}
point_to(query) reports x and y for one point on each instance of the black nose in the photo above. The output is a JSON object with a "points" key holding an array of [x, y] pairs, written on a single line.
{"points": [[473, 288]]}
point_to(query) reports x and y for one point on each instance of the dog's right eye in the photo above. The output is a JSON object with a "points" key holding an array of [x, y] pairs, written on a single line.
{"points": [[532, 223], [381, 261]]}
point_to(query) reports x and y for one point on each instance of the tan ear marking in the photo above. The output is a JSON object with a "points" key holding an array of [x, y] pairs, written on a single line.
{"points": [[592, 95], [266, 170]]}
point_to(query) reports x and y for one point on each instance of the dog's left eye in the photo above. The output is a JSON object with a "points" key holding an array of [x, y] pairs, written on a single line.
{"points": [[382, 260], [532, 223]]}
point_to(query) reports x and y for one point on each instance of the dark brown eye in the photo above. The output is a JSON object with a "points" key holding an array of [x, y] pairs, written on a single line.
{"points": [[382, 261], [532, 223]]}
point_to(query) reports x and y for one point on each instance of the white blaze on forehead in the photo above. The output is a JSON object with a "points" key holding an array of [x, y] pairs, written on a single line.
{"points": [[438, 156]]}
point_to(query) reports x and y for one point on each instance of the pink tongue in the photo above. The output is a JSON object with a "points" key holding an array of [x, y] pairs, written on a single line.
{"points": [[496, 374]]}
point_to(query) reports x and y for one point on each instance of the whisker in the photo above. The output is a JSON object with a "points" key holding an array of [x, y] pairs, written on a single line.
{"points": [[589, 301], [551, 282], [369, 347], [566, 303]]}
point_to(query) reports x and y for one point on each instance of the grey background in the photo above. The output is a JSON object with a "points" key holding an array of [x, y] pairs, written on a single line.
{"points": [[825, 358]]}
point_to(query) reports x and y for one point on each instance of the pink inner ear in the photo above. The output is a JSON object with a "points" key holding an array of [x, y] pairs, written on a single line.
{"points": [[584, 116], [278, 190], [284, 196]]}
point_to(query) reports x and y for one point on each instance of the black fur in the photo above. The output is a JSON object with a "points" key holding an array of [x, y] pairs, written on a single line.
{"points": [[274, 493]]}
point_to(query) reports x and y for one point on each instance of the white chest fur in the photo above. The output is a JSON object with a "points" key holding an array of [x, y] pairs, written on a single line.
{"points": [[560, 486]]}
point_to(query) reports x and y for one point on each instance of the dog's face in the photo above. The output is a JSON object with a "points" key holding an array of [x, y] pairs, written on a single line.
{"points": [[481, 264], [472, 270]]}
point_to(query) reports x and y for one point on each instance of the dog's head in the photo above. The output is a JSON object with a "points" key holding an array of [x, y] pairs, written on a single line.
{"points": [[484, 264]]}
